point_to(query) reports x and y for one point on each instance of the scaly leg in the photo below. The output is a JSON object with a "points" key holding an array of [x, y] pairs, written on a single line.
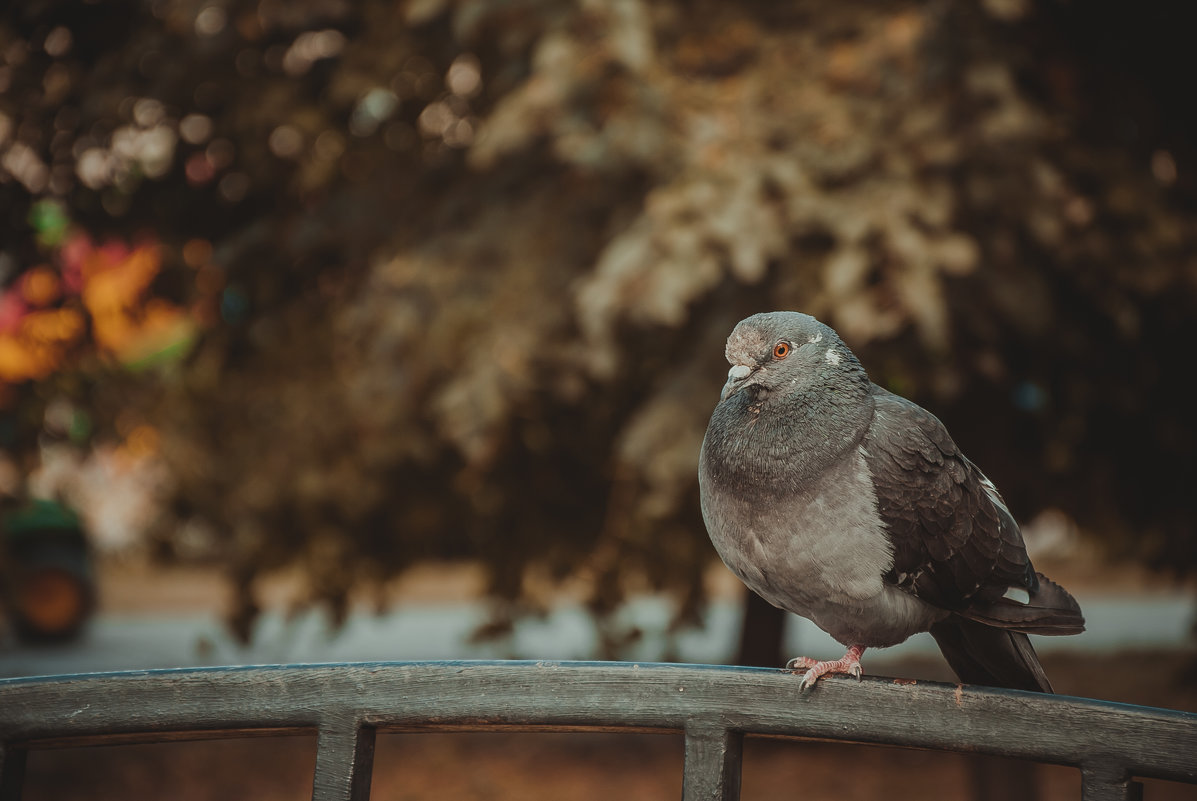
{"points": [[850, 664]]}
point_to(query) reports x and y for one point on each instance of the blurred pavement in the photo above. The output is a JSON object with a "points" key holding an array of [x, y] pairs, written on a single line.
{"points": [[443, 631]]}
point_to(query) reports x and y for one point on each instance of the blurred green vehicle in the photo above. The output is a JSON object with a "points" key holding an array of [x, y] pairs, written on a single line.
{"points": [[47, 584]]}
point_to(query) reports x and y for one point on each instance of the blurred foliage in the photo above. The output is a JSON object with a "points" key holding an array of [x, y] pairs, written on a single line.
{"points": [[461, 271]]}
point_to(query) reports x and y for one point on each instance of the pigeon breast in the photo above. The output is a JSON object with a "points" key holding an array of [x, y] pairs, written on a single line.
{"points": [[819, 550]]}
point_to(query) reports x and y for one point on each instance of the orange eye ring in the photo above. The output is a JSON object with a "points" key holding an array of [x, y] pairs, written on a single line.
{"points": [[781, 350]]}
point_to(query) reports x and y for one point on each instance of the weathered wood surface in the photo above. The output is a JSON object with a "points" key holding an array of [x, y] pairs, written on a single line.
{"points": [[344, 762], [711, 771], [346, 703]]}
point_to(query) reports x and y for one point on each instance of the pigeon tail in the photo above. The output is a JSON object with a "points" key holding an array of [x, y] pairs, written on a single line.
{"points": [[1049, 609], [981, 654]]}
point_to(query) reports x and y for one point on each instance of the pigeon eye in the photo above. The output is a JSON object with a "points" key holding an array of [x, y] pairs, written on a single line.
{"points": [[781, 350]]}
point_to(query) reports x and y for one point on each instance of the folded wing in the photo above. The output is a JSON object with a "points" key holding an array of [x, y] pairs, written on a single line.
{"points": [[957, 547]]}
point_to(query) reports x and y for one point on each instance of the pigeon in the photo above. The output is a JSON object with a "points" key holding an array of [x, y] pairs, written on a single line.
{"points": [[851, 506]]}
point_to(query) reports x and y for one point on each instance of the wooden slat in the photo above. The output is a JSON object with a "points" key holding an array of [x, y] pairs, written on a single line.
{"points": [[714, 756], [344, 762], [1107, 780], [12, 772]]}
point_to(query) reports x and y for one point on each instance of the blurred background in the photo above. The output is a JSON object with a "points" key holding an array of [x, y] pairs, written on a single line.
{"points": [[342, 330]]}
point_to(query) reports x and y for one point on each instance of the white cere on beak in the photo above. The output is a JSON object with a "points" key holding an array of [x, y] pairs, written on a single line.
{"points": [[1018, 595], [734, 377], [833, 357]]}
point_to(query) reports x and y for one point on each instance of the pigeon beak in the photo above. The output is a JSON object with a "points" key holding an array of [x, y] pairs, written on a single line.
{"points": [[735, 380]]}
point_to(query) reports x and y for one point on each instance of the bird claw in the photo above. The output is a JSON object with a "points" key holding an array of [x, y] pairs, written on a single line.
{"points": [[801, 662], [850, 665]]}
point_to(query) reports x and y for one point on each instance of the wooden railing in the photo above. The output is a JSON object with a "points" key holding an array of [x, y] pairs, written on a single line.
{"points": [[712, 706]]}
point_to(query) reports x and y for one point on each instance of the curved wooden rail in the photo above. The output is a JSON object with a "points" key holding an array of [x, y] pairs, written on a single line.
{"points": [[713, 706]]}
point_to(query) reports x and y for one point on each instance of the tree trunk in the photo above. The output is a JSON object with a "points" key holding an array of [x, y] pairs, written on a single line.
{"points": [[761, 634]]}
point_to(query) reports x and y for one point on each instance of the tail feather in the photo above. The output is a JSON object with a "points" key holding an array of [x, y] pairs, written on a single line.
{"points": [[981, 654], [1050, 610]]}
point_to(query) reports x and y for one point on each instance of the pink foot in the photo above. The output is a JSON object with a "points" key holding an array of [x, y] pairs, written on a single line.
{"points": [[850, 665]]}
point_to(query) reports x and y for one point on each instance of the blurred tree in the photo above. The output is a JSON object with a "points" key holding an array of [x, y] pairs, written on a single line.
{"points": [[451, 279]]}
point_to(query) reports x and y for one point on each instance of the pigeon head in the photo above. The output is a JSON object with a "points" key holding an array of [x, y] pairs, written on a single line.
{"points": [[795, 399], [783, 354]]}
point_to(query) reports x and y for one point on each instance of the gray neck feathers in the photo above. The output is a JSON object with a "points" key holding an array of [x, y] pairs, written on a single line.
{"points": [[781, 439]]}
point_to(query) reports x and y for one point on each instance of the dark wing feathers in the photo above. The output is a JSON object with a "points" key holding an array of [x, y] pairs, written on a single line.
{"points": [[956, 545], [945, 540]]}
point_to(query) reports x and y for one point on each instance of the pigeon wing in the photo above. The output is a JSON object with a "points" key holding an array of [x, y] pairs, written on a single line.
{"points": [[956, 545]]}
